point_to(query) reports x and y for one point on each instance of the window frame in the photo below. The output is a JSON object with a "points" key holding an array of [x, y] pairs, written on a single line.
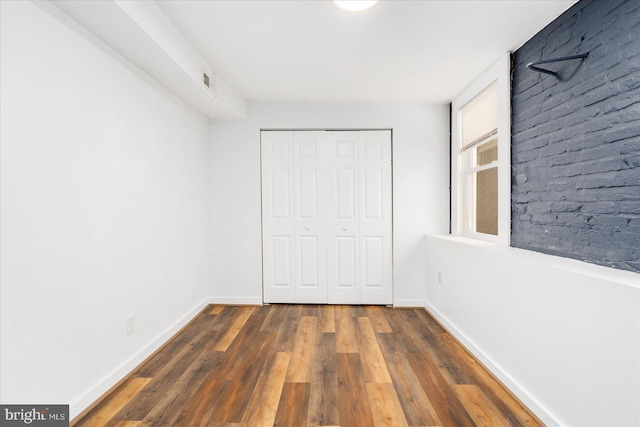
{"points": [[499, 73]]}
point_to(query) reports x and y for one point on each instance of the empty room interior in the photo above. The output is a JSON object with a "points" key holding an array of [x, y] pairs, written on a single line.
{"points": [[255, 213]]}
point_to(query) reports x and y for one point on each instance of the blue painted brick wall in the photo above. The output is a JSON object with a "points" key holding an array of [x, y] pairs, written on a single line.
{"points": [[576, 139]]}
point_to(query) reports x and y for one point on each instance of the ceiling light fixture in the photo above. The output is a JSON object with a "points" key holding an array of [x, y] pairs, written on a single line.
{"points": [[355, 5]]}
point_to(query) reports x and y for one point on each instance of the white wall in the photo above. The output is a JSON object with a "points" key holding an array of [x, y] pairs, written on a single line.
{"points": [[103, 213], [420, 189], [111, 191], [563, 334]]}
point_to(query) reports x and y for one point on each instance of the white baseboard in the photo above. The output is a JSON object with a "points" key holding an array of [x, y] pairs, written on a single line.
{"points": [[408, 303], [81, 404], [519, 392], [236, 300]]}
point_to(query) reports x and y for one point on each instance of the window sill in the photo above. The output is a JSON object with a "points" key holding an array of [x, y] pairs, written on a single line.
{"points": [[480, 237], [621, 277], [469, 241]]}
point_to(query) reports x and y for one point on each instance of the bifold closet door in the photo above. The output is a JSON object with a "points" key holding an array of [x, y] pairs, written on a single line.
{"points": [[326, 209], [360, 234], [294, 223]]}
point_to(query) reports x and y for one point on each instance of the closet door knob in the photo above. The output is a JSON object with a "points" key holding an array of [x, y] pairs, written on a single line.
{"points": [[307, 228], [345, 229]]}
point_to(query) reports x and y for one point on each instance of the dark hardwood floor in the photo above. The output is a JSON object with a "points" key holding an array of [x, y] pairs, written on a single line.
{"points": [[306, 365]]}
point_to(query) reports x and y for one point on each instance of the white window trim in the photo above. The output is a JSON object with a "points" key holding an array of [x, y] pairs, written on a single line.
{"points": [[499, 72]]}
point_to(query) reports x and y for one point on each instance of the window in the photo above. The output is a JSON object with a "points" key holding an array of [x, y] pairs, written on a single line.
{"points": [[480, 161], [481, 156]]}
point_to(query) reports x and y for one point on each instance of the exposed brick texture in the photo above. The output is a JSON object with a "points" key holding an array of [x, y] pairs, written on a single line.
{"points": [[576, 139]]}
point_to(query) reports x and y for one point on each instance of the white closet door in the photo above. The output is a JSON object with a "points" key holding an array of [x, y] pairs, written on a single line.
{"points": [[360, 240], [310, 239], [344, 218], [278, 253], [376, 250], [327, 217]]}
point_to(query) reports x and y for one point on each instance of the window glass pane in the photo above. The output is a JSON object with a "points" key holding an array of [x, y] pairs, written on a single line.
{"points": [[486, 218], [487, 153]]}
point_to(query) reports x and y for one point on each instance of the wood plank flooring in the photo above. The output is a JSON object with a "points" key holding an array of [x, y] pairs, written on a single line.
{"points": [[310, 366]]}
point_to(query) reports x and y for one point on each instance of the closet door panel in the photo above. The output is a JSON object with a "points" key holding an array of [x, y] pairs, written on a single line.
{"points": [[375, 219], [310, 217], [346, 262], [277, 217], [343, 207]]}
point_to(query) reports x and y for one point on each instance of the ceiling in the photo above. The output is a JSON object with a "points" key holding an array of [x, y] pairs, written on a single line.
{"points": [[401, 51]]}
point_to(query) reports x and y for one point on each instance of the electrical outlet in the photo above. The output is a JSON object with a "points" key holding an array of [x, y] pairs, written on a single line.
{"points": [[131, 323], [439, 277]]}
